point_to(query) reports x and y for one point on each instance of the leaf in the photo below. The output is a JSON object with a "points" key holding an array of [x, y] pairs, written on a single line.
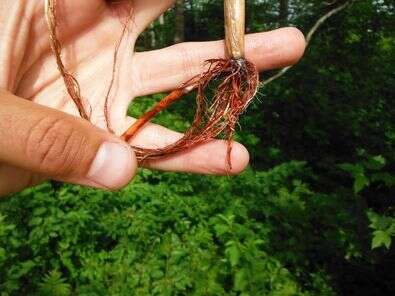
{"points": [[36, 221], [39, 211], [233, 254], [376, 163], [220, 229], [374, 219], [360, 182], [353, 169], [54, 284], [381, 238], [240, 280]]}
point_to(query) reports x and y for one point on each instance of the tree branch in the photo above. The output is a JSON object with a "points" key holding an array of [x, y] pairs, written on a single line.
{"points": [[309, 37]]}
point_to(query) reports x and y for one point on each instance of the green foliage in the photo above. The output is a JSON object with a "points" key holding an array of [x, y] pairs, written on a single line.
{"points": [[367, 171], [54, 285], [371, 170], [384, 229], [157, 238]]}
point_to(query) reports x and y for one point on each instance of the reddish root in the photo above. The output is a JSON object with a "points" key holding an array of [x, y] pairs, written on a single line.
{"points": [[128, 10], [237, 81], [70, 81]]}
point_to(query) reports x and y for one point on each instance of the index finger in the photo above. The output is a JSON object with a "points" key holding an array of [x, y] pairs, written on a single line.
{"points": [[165, 69]]}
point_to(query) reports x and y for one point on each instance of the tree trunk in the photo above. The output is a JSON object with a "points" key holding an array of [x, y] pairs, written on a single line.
{"points": [[283, 14], [179, 34]]}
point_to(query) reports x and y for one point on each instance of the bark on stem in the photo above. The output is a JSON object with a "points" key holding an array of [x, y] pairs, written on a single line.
{"points": [[234, 27]]}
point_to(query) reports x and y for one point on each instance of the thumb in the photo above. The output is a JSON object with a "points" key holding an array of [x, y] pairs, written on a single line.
{"points": [[62, 147]]}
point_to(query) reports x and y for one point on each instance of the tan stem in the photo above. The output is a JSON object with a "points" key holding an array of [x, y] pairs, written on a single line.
{"points": [[234, 27]]}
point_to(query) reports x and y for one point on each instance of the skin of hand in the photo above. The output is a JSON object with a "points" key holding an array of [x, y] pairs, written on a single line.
{"points": [[41, 136]]}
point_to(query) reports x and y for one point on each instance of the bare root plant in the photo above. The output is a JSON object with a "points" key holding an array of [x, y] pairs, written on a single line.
{"points": [[237, 82]]}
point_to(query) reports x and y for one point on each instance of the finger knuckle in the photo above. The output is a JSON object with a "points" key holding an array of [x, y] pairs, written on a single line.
{"points": [[186, 56], [55, 145]]}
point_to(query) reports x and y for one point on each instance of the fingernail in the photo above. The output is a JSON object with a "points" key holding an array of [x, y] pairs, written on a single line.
{"points": [[113, 166]]}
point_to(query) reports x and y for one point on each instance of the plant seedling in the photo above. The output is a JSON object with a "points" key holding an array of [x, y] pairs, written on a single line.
{"points": [[235, 79]]}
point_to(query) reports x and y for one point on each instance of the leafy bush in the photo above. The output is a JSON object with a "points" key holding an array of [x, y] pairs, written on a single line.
{"points": [[197, 236]]}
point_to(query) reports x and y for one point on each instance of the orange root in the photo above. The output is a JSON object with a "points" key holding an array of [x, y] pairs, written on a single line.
{"points": [[237, 81], [174, 96]]}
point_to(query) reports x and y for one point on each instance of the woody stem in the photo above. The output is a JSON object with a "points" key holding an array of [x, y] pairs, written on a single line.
{"points": [[234, 11]]}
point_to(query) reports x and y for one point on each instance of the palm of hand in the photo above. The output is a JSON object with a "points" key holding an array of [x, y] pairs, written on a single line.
{"points": [[89, 31]]}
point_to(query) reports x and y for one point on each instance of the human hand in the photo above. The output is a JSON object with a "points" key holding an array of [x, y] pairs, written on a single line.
{"points": [[38, 142]]}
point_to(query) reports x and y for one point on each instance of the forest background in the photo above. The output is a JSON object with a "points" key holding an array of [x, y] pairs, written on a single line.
{"points": [[313, 214]]}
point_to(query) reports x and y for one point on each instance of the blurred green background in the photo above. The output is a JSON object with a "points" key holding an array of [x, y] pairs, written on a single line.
{"points": [[312, 215]]}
